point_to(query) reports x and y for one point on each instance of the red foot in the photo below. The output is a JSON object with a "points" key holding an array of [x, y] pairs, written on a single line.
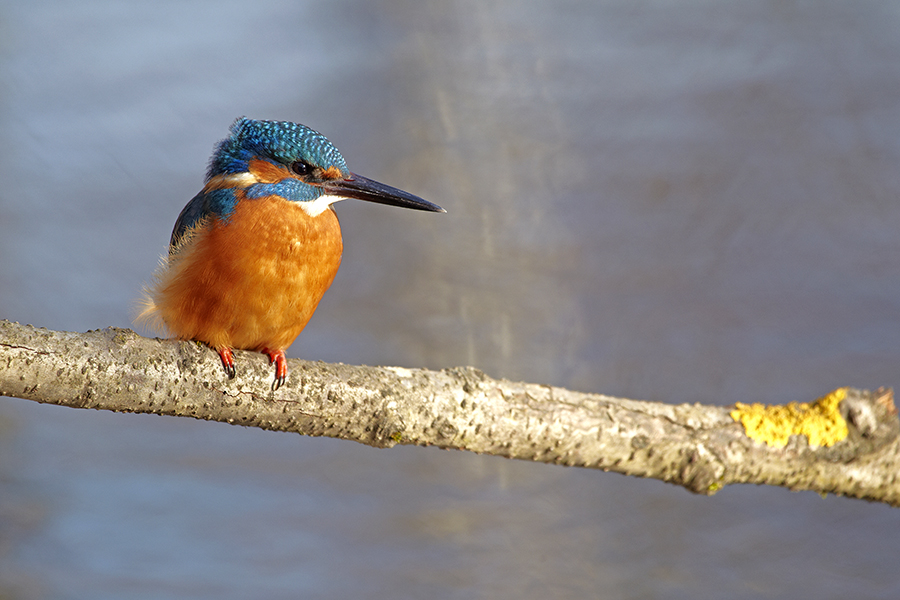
{"points": [[227, 357], [280, 360]]}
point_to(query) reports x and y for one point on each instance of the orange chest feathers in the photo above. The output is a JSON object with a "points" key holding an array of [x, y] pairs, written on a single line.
{"points": [[252, 281]]}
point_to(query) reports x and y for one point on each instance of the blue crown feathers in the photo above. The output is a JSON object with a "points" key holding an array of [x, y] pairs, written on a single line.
{"points": [[280, 141]]}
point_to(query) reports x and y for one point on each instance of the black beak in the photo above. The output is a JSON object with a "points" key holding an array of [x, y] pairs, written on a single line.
{"points": [[363, 188]]}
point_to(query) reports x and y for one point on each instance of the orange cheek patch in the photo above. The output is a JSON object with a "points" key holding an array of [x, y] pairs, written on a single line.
{"points": [[267, 172], [332, 173]]}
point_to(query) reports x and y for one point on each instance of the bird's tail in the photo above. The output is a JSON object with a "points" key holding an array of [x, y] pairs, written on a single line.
{"points": [[147, 316]]}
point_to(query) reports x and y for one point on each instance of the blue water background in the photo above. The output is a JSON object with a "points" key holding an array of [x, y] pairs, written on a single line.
{"points": [[677, 201]]}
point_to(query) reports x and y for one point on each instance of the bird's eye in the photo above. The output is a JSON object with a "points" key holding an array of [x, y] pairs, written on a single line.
{"points": [[300, 168]]}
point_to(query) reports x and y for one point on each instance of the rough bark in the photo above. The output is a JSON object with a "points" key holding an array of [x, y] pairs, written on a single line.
{"points": [[699, 447]]}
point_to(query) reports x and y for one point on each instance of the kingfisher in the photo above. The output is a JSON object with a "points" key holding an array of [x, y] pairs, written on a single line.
{"points": [[252, 254]]}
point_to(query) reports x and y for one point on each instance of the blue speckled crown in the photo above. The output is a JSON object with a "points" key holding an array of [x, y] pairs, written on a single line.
{"points": [[281, 141]]}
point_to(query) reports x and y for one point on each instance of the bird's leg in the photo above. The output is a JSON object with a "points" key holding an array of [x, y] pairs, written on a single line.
{"points": [[227, 357], [277, 357]]}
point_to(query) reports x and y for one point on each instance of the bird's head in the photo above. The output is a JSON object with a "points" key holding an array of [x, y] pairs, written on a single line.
{"points": [[290, 160]]}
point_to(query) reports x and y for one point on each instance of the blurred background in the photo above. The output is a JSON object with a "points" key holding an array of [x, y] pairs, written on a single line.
{"points": [[676, 201]]}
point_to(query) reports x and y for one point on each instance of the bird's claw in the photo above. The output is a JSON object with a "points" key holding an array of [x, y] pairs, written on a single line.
{"points": [[275, 356], [280, 360], [227, 357]]}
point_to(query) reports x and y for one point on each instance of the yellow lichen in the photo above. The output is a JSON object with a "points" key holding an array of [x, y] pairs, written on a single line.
{"points": [[821, 421]]}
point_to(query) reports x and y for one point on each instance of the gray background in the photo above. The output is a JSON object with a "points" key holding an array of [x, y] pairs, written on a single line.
{"points": [[678, 201]]}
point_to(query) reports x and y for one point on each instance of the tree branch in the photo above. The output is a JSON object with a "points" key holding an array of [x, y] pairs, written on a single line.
{"points": [[702, 448]]}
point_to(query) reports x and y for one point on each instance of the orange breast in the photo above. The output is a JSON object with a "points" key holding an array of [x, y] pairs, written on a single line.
{"points": [[252, 282]]}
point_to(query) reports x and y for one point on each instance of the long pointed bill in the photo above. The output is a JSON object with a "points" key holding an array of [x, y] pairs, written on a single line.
{"points": [[363, 188]]}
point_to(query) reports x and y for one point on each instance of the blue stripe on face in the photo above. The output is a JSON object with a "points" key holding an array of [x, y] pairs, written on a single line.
{"points": [[289, 189]]}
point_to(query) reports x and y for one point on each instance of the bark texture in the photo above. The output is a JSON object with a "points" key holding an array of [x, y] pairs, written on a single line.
{"points": [[702, 448]]}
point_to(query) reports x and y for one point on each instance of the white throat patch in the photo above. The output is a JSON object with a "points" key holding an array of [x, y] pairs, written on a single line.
{"points": [[316, 207]]}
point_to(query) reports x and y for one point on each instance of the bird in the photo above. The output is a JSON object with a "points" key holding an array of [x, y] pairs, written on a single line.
{"points": [[253, 252]]}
